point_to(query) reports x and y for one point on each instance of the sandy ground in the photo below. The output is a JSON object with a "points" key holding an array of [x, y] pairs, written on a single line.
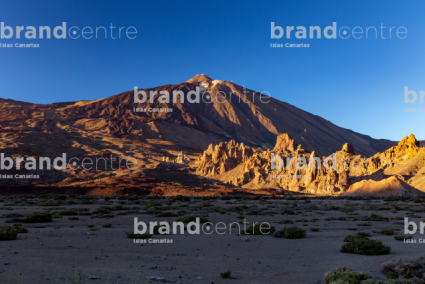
{"points": [[64, 248]]}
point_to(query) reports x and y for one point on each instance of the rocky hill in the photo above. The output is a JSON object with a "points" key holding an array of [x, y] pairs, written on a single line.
{"points": [[399, 170]]}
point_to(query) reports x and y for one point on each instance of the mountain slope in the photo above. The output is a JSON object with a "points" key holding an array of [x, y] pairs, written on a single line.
{"points": [[243, 115], [112, 128]]}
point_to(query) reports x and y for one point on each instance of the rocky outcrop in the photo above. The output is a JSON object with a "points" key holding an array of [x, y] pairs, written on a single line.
{"points": [[392, 186], [222, 158], [290, 167]]}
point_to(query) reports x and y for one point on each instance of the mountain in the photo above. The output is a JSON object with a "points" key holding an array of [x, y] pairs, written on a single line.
{"points": [[115, 127], [246, 117]]}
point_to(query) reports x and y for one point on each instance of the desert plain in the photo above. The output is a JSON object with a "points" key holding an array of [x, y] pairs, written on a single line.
{"points": [[86, 240]]}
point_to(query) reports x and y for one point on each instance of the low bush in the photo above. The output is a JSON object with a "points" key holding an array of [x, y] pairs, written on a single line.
{"points": [[359, 235], [375, 217], [333, 207], [345, 275], [226, 274], [150, 205], [20, 229], [365, 246], [402, 238], [138, 236], [38, 217], [8, 234], [102, 210], [389, 232], [406, 268], [47, 203], [291, 233]]}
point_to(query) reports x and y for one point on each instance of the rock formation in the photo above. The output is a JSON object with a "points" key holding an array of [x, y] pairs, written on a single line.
{"points": [[222, 158], [289, 167]]}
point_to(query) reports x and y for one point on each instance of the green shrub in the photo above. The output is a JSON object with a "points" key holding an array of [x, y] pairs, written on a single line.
{"points": [[226, 274], [333, 207], [359, 235], [138, 236], [107, 226], [291, 233], [8, 233], [102, 210], [392, 198], [19, 228], [389, 232], [345, 275], [73, 218], [47, 203], [365, 247], [259, 229], [402, 238], [406, 268], [38, 217], [314, 229], [376, 217], [289, 212], [150, 205]]}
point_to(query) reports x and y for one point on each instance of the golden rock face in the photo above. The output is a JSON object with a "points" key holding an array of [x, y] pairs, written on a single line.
{"points": [[389, 173]]}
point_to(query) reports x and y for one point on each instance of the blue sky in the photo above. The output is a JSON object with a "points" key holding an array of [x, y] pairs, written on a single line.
{"points": [[356, 84]]}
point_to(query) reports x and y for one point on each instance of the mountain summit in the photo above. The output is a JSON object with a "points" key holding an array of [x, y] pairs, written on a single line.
{"points": [[199, 78], [231, 112]]}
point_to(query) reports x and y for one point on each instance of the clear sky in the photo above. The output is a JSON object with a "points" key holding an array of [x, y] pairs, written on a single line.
{"points": [[354, 83]]}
